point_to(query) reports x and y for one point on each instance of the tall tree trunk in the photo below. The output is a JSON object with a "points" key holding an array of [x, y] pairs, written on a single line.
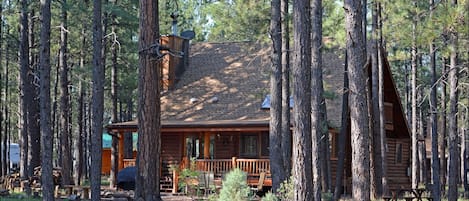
{"points": [[97, 103], [382, 129], [376, 165], [78, 143], [46, 134], [85, 116], [3, 102], [317, 124], [128, 137], [275, 135], [286, 132], [6, 115], [414, 104], [64, 106], [343, 132], [465, 145], [302, 167], [453, 141], [434, 120], [408, 95], [421, 144], [24, 89], [114, 88], [149, 112], [442, 138], [358, 104], [463, 157], [34, 140]]}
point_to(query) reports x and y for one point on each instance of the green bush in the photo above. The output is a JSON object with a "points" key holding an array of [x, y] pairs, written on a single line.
{"points": [[286, 190], [187, 176], [270, 197], [235, 187]]}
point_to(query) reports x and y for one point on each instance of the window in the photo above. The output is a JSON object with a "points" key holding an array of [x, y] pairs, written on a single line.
{"points": [[265, 144], [248, 145], [398, 153]]}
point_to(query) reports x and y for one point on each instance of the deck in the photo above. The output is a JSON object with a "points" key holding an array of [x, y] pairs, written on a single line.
{"points": [[253, 168]]}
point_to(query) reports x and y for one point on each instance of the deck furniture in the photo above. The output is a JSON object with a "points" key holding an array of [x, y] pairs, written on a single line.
{"points": [[259, 186]]}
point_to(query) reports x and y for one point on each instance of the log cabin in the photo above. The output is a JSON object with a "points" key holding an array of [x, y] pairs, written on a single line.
{"points": [[215, 111]]}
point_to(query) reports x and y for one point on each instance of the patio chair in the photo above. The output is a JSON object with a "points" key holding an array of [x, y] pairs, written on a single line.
{"points": [[202, 182], [209, 183], [259, 186]]}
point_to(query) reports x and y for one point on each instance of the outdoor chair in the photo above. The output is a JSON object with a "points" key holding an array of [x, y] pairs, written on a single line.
{"points": [[260, 185], [202, 182]]}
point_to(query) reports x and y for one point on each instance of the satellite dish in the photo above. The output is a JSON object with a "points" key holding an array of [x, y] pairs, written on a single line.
{"points": [[188, 34]]}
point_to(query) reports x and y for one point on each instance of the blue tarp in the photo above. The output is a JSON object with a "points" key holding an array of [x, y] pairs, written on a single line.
{"points": [[107, 140]]}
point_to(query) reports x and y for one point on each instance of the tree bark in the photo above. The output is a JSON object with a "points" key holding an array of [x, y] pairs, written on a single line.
{"points": [[6, 116], [97, 103], [114, 91], [34, 138], [376, 165], [46, 134], [275, 135], [78, 143], [317, 99], [358, 104], [442, 138], [434, 121], [343, 131], [2, 101], [453, 141], [302, 167], [128, 137], [24, 89], [149, 112], [414, 104], [64, 106], [285, 122], [382, 129]]}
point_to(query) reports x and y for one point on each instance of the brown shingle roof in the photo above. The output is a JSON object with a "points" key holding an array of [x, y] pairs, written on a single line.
{"points": [[237, 74]]}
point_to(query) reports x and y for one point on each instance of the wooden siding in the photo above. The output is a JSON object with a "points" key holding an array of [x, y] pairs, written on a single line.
{"points": [[226, 145], [171, 151], [397, 171]]}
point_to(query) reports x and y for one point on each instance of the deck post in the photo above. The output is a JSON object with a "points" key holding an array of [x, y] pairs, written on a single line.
{"points": [[175, 181], [206, 145], [120, 151], [233, 162]]}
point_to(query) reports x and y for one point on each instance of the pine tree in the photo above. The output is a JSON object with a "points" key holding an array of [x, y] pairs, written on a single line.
{"points": [[46, 133], [97, 103], [302, 167], [149, 111], [357, 101], [275, 128]]}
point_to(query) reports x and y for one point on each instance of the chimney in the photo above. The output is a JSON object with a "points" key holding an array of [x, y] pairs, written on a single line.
{"points": [[174, 25]]}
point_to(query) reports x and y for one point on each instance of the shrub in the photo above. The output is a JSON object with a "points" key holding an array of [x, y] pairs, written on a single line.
{"points": [[188, 176], [235, 187], [270, 197], [286, 190]]}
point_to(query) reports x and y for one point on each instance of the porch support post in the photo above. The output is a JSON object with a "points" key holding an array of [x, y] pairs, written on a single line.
{"points": [[233, 162], [207, 145], [175, 181], [120, 151]]}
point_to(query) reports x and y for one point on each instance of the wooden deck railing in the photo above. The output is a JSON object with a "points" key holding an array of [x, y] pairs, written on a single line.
{"points": [[220, 166]]}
